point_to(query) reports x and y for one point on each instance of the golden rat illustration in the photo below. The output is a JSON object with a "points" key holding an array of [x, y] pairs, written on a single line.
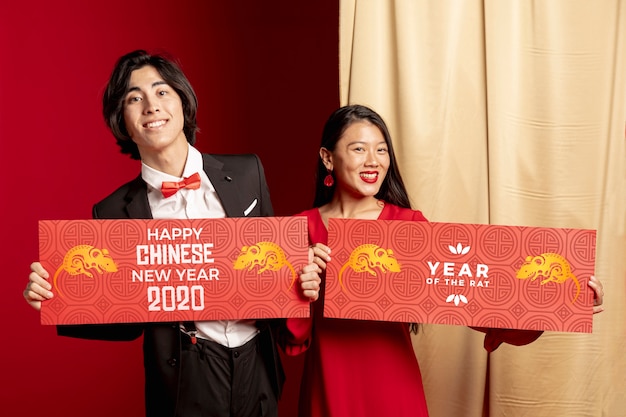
{"points": [[83, 258], [367, 258], [552, 267], [268, 256]]}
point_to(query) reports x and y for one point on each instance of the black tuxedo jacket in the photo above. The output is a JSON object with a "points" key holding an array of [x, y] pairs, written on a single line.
{"points": [[239, 181]]}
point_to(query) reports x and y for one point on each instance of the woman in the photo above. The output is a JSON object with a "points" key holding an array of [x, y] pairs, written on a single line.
{"points": [[352, 367]]}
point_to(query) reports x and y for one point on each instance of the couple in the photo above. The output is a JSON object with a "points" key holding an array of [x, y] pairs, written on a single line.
{"points": [[234, 368]]}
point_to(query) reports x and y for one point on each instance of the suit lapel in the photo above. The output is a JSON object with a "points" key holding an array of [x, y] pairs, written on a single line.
{"points": [[137, 205], [225, 185]]}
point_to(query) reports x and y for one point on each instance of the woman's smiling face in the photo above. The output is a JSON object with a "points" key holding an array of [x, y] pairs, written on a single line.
{"points": [[359, 161]]}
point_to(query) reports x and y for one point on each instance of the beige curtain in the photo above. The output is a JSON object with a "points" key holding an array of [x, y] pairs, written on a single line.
{"points": [[507, 112]]}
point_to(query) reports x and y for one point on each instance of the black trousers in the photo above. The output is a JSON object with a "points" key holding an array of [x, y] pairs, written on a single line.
{"points": [[217, 381]]}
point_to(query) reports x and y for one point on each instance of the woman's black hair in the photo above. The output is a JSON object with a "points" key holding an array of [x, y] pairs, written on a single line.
{"points": [[392, 189]]}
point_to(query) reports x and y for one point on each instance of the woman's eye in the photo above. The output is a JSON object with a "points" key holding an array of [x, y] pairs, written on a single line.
{"points": [[134, 99]]}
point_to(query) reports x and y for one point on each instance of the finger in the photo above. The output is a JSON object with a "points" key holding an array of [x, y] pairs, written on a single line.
{"points": [[316, 265], [31, 296], [310, 285], [322, 251], [42, 282], [33, 299], [311, 288], [597, 287], [310, 281], [36, 288], [320, 263], [38, 282], [311, 268], [312, 295], [38, 269], [322, 247]]}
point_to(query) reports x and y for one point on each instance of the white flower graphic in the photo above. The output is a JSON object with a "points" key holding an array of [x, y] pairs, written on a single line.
{"points": [[459, 249], [457, 298]]}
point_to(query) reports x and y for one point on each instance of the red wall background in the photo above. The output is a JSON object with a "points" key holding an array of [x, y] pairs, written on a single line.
{"points": [[266, 75]]}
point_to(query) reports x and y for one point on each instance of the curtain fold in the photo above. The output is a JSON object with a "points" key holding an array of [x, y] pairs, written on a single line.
{"points": [[507, 112]]}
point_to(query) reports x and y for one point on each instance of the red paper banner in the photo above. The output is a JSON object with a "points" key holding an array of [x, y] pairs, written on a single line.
{"points": [[124, 271], [461, 274]]}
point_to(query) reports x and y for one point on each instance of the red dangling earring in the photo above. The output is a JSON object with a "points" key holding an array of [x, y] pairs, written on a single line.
{"points": [[328, 179]]}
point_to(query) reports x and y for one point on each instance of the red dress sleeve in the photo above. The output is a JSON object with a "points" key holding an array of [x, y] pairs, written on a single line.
{"points": [[297, 338], [495, 337]]}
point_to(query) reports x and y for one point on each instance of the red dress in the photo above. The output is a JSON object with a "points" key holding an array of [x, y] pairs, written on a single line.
{"points": [[354, 367], [364, 368]]}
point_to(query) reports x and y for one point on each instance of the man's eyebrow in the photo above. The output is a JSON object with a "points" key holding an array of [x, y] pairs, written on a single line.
{"points": [[154, 84]]}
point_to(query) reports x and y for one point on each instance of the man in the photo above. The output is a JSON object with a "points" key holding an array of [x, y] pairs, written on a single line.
{"points": [[233, 369]]}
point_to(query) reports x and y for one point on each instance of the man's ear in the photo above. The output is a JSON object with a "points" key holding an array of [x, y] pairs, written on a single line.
{"points": [[327, 158]]}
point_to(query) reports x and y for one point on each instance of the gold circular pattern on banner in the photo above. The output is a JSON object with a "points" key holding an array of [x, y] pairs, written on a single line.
{"points": [[79, 233], [364, 232], [223, 288], [582, 244], [407, 284], [409, 239], [294, 231], [122, 285], [540, 296], [502, 289], [257, 228], [364, 283], [217, 232], [47, 236], [499, 244], [541, 241], [79, 287], [121, 236], [446, 235], [262, 284]]}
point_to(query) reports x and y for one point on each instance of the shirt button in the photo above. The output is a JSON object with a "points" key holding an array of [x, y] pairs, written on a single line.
{"points": [[172, 362], [236, 354]]}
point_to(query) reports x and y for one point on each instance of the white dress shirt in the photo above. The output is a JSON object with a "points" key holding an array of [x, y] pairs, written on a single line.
{"points": [[202, 203]]}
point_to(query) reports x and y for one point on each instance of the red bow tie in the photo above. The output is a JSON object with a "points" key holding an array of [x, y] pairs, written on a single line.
{"points": [[169, 188]]}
